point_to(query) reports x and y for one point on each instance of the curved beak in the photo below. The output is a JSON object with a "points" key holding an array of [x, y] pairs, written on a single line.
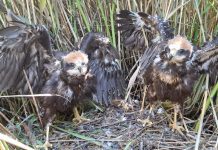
{"points": [[169, 56], [80, 69]]}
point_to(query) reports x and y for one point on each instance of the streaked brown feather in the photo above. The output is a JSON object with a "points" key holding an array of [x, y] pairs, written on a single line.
{"points": [[135, 25], [20, 49], [206, 58], [167, 80], [73, 90], [104, 67]]}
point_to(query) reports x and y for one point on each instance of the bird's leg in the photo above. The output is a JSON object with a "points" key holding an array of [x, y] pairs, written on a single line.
{"points": [[143, 100], [147, 122], [186, 129], [47, 144], [123, 104], [47, 119], [77, 117], [174, 125]]}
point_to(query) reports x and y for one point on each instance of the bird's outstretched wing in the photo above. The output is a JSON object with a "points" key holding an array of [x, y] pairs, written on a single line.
{"points": [[148, 57], [206, 55], [23, 47], [104, 66], [139, 29], [109, 77], [206, 58]]}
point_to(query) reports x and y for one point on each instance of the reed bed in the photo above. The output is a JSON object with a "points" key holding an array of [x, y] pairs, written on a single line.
{"points": [[68, 21]]}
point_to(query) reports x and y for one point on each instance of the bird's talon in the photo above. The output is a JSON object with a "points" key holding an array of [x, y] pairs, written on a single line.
{"points": [[88, 75], [80, 119], [176, 127], [145, 122], [126, 106], [47, 145]]}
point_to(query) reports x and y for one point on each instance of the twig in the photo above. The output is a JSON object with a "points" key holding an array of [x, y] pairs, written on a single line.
{"points": [[6, 118], [31, 95], [200, 20], [34, 100], [202, 115], [214, 112], [14, 142], [216, 146], [78, 140], [5, 131]]}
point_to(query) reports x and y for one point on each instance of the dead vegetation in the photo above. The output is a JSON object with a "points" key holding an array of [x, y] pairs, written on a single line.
{"points": [[68, 21]]}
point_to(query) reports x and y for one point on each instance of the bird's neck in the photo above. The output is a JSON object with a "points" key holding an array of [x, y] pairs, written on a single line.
{"points": [[74, 82]]}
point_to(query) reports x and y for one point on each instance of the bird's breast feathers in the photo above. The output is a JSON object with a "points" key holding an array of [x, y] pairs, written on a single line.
{"points": [[164, 71], [168, 77]]}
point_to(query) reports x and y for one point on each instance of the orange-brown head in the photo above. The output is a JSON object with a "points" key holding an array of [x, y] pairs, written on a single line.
{"points": [[75, 63], [180, 49]]}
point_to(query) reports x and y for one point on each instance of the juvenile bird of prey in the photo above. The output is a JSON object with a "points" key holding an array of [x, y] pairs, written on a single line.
{"points": [[170, 66], [26, 62]]}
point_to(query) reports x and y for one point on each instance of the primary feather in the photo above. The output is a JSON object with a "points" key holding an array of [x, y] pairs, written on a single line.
{"points": [[105, 68], [22, 50], [139, 30]]}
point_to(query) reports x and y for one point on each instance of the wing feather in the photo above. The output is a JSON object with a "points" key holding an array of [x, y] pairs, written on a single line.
{"points": [[134, 27], [206, 59], [8, 60], [107, 72], [207, 54], [20, 48], [104, 67], [149, 56]]}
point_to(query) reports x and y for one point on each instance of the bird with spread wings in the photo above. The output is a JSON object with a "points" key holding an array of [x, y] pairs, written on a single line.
{"points": [[28, 66], [170, 65]]}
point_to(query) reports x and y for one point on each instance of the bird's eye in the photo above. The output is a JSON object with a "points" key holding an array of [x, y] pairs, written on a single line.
{"points": [[181, 51], [164, 53], [166, 49], [83, 64], [70, 65]]}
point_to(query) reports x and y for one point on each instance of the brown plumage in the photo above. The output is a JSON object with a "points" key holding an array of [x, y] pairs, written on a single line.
{"points": [[25, 54], [105, 68], [171, 65], [23, 48], [168, 77], [69, 84], [206, 59], [93, 73], [140, 30]]}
